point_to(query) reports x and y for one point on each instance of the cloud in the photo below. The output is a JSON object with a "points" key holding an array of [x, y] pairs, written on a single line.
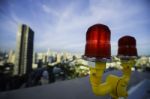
{"points": [[48, 10], [70, 24], [63, 25]]}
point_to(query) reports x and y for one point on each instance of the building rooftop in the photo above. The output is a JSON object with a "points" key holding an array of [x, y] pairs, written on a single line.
{"points": [[71, 89]]}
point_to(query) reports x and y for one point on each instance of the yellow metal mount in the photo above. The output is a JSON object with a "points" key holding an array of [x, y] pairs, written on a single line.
{"points": [[114, 85]]}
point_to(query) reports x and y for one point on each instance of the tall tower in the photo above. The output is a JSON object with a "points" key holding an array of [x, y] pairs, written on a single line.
{"points": [[24, 50]]}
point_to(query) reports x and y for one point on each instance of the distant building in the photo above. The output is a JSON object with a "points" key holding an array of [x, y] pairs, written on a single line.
{"points": [[43, 57], [24, 50], [58, 58], [35, 58], [11, 57], [40, 64]]}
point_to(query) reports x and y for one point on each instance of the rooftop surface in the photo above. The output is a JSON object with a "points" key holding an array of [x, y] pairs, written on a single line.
{"points": [[71, 89]]}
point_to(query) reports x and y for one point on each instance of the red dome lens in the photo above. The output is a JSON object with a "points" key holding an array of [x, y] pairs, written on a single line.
{"points": [[98, 42], [127, 46]]}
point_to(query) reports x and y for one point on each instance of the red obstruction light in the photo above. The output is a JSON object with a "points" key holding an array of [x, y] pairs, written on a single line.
{"points": [[98, 42], [127, 47]]}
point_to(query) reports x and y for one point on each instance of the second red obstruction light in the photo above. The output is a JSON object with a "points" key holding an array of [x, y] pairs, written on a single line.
{"points": [[127, 46], [98, 42]]}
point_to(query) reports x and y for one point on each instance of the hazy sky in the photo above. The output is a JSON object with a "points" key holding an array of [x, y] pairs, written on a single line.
{"points": [[62, 24]]}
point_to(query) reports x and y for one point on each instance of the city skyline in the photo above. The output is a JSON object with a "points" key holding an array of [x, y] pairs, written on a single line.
{"points": [[62, 25]]}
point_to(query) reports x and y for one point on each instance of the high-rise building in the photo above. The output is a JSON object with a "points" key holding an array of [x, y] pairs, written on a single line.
{"points": [[24, 50]]}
